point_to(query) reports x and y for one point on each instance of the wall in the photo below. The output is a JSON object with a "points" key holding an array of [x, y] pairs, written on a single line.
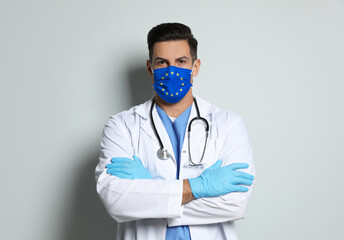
{"points": [[66, 66]]}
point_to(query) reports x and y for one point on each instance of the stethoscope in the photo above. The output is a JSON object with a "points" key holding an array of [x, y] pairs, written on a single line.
{"points": [[162, 152]]}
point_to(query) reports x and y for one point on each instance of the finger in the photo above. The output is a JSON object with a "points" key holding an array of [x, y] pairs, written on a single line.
{"points": [[121, 170], [215, 165], [119, 164], [243, 175], [121, 159], [238, 188], [235, 166], [137, 160], [242, 181]]}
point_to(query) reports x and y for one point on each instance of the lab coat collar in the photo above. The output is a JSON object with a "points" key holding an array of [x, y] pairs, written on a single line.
{"points": [[205, 108]]}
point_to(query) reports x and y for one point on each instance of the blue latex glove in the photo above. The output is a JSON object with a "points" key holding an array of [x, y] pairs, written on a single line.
{"points": [[216, 180], [128, 168]]}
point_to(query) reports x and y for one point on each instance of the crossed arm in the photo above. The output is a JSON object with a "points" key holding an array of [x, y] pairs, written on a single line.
{"points": [[213, 182], [120, 193]]}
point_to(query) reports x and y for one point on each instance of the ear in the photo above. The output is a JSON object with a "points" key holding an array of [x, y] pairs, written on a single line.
{"points": [[196, 68], [149, 68]]}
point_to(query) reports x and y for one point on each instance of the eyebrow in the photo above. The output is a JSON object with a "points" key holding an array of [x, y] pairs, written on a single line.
{"points": [[160, 58], [163, 59], [183, 57]]}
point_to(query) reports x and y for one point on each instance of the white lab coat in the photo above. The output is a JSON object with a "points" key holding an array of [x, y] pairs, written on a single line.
{"points": [[143, 208]]}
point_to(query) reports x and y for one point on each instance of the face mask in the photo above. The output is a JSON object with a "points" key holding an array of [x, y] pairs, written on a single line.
{"points": [[172, 83]]}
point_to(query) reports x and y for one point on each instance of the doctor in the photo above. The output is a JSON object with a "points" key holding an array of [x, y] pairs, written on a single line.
{"points": [[175, 167]]}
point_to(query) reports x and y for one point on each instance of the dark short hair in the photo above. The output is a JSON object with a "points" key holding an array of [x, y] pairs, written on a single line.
{"points": [[169, 32]]}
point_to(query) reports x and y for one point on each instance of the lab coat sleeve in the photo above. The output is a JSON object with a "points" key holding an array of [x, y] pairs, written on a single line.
{"points": [[127, 200], [229, 207]]}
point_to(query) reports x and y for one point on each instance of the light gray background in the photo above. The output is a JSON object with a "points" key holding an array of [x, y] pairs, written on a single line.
{"points": [[66, 66]]}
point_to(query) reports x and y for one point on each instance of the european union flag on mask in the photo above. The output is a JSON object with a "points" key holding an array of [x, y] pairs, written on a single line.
{"points": [[172, 83]]}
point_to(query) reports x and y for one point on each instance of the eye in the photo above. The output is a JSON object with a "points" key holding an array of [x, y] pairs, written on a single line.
{"points": [[182, 61], [161, 62]]}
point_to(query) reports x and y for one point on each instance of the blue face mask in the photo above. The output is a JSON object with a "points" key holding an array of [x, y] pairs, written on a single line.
{"points": [[172, 83]]}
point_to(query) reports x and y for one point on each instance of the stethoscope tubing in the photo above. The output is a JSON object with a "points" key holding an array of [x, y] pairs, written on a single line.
{"points": [[162, 152]]}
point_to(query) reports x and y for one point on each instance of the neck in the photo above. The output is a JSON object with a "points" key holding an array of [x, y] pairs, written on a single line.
{"points": [[175, 109]]}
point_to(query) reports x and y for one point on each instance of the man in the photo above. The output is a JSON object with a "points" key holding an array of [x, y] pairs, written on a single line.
{"points": [[157, 181]]}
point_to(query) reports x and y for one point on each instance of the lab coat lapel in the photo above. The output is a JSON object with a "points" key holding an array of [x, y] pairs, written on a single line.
{"points": [[185, 148], [163, 133], [144, 111], [198, 136]]}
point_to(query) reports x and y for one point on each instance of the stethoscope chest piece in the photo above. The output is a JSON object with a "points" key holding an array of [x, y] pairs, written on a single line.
{"points": [[163, 154]]}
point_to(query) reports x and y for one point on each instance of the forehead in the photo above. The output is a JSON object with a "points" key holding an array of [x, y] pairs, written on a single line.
{"points": [[171, 49]]}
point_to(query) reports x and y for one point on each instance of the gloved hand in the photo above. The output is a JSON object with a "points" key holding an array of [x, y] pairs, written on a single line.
{"points": [[216, 180], [128, 168]]}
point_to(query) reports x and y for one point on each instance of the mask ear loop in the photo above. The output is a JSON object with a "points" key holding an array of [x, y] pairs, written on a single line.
{"points": [[151, 67], [192, 69], [152, 72]]}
